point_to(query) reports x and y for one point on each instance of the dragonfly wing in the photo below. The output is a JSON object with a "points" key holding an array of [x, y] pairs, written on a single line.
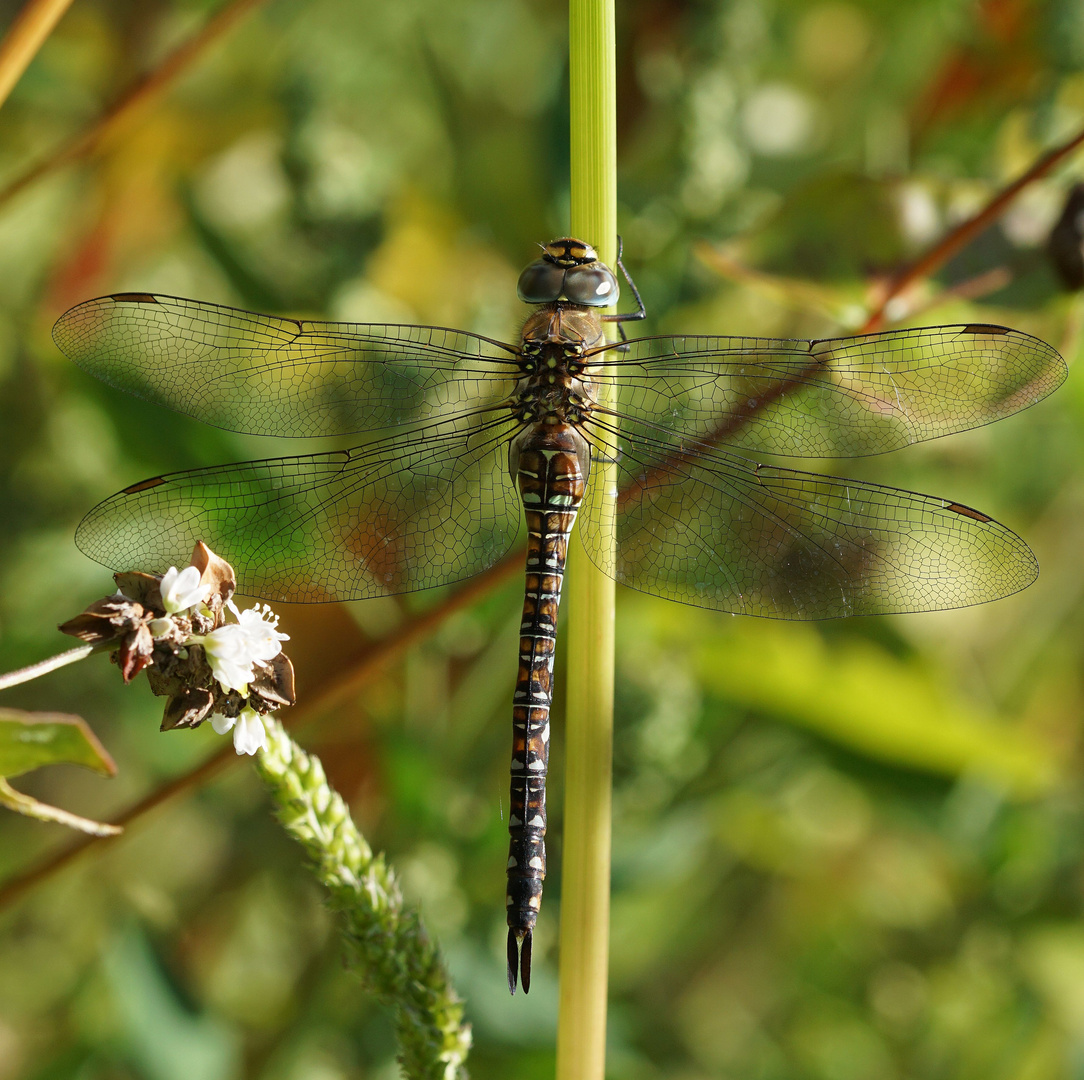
{"points": [[838, 397], [420, 509], [718, 530], [267, 375]]}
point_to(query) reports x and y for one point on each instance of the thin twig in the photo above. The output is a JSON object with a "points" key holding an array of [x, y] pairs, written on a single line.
{"points": [[962, 235], [974, 288], [823, 300], [43, 667], [25, 37], [24, 804], [347, 685], [138, 94]]}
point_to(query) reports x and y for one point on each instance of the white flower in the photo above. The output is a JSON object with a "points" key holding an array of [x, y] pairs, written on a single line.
{"points": [[263, 640], [229, 655], [249, 734], [234, 648], [181, 589]]}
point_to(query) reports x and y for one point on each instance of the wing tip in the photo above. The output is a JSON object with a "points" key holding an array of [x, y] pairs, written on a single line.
{"points": [[88, 317]]}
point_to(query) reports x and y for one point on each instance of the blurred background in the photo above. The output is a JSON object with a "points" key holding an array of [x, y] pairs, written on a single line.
{"points": [[843, 851]]}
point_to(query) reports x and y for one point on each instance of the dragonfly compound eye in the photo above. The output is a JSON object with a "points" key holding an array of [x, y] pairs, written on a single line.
{"points": [[541, 283], [593, 285]]}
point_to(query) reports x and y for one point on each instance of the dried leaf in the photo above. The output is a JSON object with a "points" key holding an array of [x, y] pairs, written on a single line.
{"points": [[134, 653], [217, 573], [105, 619], [188, 708], [274, 682], [142, 587]]}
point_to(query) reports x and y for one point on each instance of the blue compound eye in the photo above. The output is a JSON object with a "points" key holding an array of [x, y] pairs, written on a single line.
{"points": [[593, 285], [541, 283]]}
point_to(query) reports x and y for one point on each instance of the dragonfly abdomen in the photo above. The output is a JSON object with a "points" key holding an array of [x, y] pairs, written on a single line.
{"points": [[551, 480]]}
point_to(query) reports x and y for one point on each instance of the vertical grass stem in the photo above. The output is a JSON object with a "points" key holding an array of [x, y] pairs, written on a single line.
{"points": [[585, 892]]}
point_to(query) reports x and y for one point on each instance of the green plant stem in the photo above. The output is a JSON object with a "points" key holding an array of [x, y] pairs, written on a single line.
{"points": [[393, 953], [43, 667], [28, 807], [585, 882]]}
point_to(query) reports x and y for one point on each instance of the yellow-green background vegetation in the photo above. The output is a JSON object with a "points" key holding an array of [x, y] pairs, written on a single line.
{"points": [[843, 851]]}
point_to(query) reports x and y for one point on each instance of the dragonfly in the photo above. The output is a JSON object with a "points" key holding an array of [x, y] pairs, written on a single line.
{"points": [[470, 441]]}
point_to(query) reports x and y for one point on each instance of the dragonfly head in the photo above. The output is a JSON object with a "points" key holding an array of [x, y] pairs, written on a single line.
{"points": [[569, 270], [568, 251]]}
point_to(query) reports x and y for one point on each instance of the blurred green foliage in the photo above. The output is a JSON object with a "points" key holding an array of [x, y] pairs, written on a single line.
{"points": [[843, 851]]}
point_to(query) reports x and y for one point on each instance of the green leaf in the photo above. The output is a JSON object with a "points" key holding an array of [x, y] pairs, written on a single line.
{"points": [[858, 695], [30, 740]]}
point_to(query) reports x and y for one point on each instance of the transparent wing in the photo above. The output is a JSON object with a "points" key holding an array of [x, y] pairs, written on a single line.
{"points": [[272, 376], [420, 509], [839, 397], [718, 530]]}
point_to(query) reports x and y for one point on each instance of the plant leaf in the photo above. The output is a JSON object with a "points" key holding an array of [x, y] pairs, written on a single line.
{"points": [[30, 740]]}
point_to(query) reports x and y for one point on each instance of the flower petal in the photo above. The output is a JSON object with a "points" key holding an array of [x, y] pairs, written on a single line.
{"points": [[229, 656], [260, 625], [182, 590], [249, 734], [222, 724]]}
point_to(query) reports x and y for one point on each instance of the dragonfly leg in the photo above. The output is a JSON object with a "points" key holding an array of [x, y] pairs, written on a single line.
{"points": [[627, 316]]}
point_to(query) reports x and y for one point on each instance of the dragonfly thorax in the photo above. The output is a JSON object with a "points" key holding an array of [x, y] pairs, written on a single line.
{"points": [[552, 399], [555, 385], [560, 329]]}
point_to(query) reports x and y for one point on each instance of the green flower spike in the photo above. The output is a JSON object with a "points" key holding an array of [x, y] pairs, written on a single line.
{"points": [[395, 958]]}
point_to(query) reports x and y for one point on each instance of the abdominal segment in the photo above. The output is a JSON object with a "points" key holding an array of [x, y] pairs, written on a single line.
{"points": [[551, 484]]}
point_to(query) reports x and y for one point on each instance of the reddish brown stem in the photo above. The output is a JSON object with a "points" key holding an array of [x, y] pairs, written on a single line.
{"points": [[136, 95], [962, 235], [725, 429]]}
